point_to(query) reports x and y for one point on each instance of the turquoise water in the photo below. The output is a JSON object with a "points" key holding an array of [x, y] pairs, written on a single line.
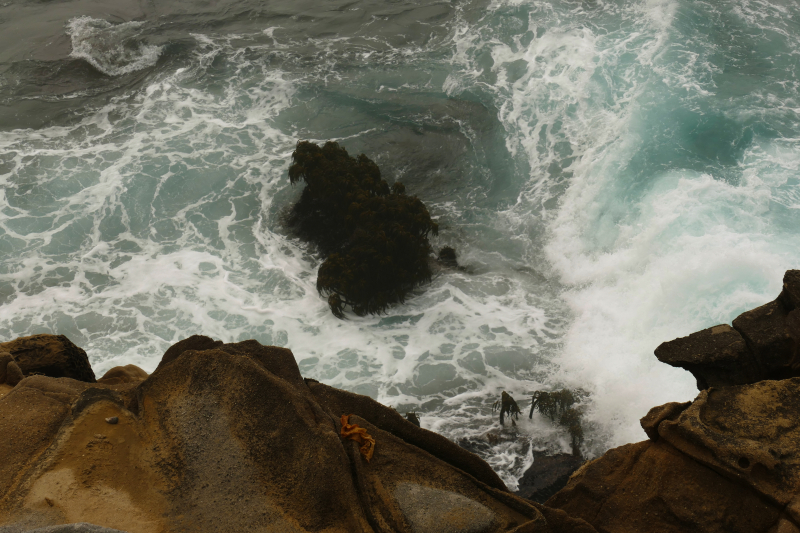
{"points": [[613, 175]]}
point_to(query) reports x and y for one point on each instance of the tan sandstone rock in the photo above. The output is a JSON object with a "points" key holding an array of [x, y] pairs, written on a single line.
{"points": [[231, 438]]}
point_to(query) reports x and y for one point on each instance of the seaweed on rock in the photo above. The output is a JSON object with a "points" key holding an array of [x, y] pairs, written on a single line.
{"points": [[374, 237], [558, 405]]}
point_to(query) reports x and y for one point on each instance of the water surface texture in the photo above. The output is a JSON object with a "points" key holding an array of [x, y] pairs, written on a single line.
{"points": [[613, 175]]}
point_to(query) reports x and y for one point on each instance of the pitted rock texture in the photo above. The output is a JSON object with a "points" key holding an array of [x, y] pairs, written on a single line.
{"points": [[749, 433], [231, 438], [650, 487], [764, 343], [729, 462], [438, 511], [50, 355], [82, 527]]}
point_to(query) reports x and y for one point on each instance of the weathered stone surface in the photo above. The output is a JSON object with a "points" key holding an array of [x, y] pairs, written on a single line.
{"points": [[51, 355], [430, 510], [13, 374], [764, 330], [226, 439], [397, 462], [656, 415], [195, 342], [749, 433], [339, 401], [547, 475], [30, 417], [716, 357], [123, 374], [560, 522], [5, 358], [82, 527], [650, 487], [793, 329], [790, 295]]}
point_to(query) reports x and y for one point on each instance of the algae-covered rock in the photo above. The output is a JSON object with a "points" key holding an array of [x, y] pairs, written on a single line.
{"points": [[374, 237]]}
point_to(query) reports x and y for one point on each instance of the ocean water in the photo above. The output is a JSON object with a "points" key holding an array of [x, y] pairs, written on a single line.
{"points": [[613, 174]]}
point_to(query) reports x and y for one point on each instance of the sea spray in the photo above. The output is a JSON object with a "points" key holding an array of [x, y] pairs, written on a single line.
{"points": [[612, 174]]}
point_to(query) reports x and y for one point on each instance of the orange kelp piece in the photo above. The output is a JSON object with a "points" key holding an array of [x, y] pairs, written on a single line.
{"points": [[360, 435]]}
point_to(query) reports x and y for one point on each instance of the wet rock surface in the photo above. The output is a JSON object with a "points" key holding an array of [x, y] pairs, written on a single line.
{"points": [[438, 511], [547, 475], [230, 437]]}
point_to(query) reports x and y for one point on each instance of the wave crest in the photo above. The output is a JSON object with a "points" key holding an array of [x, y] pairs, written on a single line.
{"points": [[113, 49]]}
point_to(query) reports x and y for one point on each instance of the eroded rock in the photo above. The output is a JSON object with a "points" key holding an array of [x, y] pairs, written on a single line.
{"points": [[656, 415], [764, 330], [764, 343], [50, 355], [430, 510], [123, 374], [716, 357], [233, 439], [650, 487], [749, 433]]}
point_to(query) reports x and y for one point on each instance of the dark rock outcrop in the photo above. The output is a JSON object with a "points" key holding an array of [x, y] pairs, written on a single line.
{"points": [[762, 344], [547, 475], [374, 237], [195, 342], [233, 439], [50, 355]]}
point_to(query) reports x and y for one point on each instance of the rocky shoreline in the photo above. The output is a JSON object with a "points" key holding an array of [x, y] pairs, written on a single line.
{"points": [[230, 437]]}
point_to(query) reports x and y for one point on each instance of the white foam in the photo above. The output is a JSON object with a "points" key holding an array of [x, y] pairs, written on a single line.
{"points": [[113, 49]]}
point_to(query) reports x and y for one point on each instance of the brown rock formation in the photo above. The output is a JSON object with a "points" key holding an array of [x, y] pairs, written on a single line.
{"points": [[120, 375], [50, 355], [762, 344], [652, 487], [727, 462], [232, 438]]}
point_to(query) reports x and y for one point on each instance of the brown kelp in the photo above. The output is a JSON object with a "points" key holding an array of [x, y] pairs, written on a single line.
{"points": [[507, 406], [558, 407]]}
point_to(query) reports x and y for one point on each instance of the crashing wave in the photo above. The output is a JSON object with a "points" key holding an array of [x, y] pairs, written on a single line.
{"points": [[113, 49]]}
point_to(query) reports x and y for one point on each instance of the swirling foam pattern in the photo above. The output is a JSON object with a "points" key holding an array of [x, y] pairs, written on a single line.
{"points": [[613, 174]]}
